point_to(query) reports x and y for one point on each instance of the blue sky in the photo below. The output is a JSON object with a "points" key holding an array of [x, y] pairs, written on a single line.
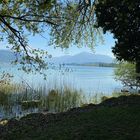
{"points": [[104, 48], [40, 42]]}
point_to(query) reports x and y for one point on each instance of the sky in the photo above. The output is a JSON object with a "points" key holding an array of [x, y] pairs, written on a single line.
{"points": [[104, 48], [40, 42]]}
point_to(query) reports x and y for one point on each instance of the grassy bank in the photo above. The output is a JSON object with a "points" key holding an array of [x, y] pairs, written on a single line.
{"points": [[113, 119]]}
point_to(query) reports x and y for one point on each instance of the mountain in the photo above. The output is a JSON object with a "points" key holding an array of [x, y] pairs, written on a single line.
{"points": [[6, 56], [83, 58]]}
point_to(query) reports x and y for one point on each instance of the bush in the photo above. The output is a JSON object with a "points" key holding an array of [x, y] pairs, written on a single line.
{"points": [[126, 73]]}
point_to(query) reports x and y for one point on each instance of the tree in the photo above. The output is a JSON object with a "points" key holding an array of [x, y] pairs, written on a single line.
{"points": [[71, 22], [77, 26], [126, 73], [20, 18], [122, 18], [68, 21]]}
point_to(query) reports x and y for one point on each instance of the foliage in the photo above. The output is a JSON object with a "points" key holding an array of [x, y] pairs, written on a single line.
{"points": [[21, 18], [122, 18], [126, 73], [5, 78], [75, 25], [68, 22]]}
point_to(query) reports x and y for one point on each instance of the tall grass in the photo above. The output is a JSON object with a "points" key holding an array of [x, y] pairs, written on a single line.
{"points": [[16, 100], [20, 99]]}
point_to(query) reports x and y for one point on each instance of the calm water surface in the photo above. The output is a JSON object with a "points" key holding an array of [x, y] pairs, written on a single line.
{"points": [[89, 79]]}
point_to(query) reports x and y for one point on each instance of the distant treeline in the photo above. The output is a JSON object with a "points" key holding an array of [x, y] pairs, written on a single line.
{"points": [[100, 64]]}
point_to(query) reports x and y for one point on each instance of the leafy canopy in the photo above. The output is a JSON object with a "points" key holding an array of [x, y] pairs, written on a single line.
{"points": [[69, 22], [18, 20], [122, 18]]}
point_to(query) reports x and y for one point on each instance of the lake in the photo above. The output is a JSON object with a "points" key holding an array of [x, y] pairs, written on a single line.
{"points": [[89, 79]]}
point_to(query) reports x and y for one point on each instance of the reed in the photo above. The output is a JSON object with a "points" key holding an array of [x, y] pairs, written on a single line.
{"points": [[20, 99]]}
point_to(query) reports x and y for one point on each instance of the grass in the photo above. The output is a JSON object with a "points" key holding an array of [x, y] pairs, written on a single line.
{"points": [[101, 122], [26, 99], [17, 100]]}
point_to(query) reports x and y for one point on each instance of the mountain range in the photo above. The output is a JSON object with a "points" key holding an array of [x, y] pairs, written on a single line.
{"points": [[83, 58], [7, 56]]}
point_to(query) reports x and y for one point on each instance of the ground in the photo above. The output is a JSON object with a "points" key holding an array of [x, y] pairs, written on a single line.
{"points": [[113, 119]]}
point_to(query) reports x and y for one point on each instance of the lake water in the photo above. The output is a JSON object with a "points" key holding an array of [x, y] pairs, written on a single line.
{"points": [[89, 79]]}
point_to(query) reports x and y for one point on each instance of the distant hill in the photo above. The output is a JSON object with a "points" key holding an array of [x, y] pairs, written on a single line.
{"points": [[6, 56], [83, 58]]}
